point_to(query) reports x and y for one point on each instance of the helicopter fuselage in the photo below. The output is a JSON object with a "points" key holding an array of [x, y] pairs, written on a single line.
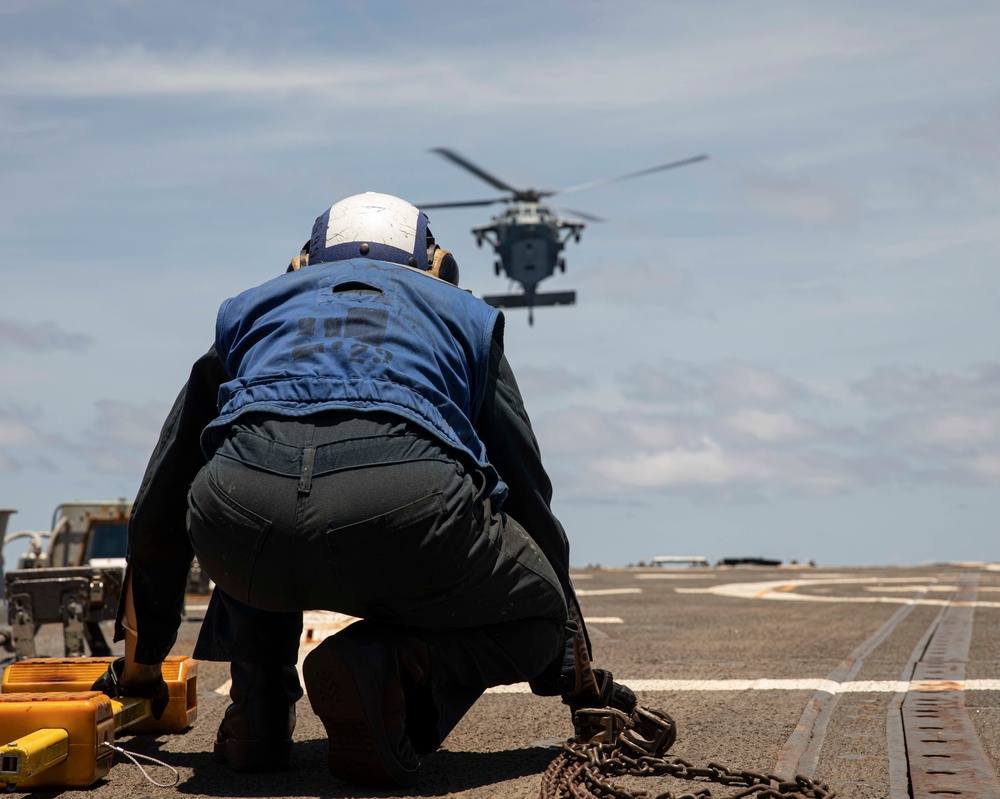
{"points": [[527, 238]]}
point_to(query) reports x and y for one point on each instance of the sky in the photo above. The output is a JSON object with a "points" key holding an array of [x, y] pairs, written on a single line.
{"points": [[788, 350]]}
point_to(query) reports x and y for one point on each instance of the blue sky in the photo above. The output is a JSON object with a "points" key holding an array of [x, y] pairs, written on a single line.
{"points": [[787, 350]]}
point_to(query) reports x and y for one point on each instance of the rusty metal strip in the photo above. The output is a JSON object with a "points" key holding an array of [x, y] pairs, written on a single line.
{"points": [[944, 753], [899, 771]]}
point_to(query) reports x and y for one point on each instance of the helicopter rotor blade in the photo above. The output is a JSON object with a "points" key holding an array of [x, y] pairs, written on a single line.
{"points": [[584, 215], [461, 203], [605, 181], [480, 173]]}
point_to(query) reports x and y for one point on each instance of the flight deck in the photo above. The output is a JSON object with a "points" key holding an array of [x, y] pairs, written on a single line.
{"points": [[883, 683]]}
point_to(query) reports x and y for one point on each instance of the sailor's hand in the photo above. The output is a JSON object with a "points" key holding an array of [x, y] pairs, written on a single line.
{"points": [[149, 684]]}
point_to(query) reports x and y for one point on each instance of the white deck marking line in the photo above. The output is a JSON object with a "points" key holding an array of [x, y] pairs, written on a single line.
{"points": [[603, 620], [757, 589], [944, 589], [608, 591], [784, 590], [695, 574], [807, 684]]}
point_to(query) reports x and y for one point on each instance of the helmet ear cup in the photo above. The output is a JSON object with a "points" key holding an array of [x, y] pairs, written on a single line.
{"points": [[442, 264], [300, 260]]}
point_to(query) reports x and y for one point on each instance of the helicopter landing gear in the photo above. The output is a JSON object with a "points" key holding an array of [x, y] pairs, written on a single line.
{"points": [[496, 268], [561, 263]]}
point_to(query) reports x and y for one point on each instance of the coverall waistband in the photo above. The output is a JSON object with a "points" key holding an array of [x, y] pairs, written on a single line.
{"points": [[326, 443]]}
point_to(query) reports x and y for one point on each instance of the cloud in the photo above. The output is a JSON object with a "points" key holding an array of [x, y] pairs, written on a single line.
{"points": [[672, 383], [710, 469], [946, 424], [726, 65], [768, 426], [22, 441], [138, 71], [800, 198], [577, 430], [738, 431], [968, 134], [867, 306], [18, 431], [706, 464], [21, 134], [911, 387], [552, 380], [639, 283], [123, 436], [743, 453], [728, 385], [936, 241], [119, 441], [359, 80], [951, 429], [39, 337], [988, 467], [745, 383]]}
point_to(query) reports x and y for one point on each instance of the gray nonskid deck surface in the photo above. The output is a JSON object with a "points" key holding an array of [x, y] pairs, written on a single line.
{"points": [[769, 670]]}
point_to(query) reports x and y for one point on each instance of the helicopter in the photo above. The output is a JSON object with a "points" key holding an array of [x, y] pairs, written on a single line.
{"points": [[528, 237]]}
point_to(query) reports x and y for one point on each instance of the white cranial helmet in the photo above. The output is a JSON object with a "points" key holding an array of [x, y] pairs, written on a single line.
{"points": [[371, 225]]}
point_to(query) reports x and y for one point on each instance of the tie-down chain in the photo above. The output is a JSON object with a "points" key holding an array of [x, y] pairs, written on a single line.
{"points": [[608, 743]]}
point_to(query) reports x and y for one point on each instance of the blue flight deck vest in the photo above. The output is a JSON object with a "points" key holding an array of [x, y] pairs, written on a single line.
{"points": [[360, 335]]}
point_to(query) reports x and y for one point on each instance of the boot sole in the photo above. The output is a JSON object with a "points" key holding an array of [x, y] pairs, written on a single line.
{"points": [[343, 693], [254, 756]]}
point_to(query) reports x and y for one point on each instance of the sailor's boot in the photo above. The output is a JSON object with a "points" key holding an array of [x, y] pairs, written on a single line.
{"points": [[256, 732], [358, 682]]}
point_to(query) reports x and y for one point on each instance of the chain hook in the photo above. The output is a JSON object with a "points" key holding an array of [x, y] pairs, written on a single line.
{"points": [[650, 731]]}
